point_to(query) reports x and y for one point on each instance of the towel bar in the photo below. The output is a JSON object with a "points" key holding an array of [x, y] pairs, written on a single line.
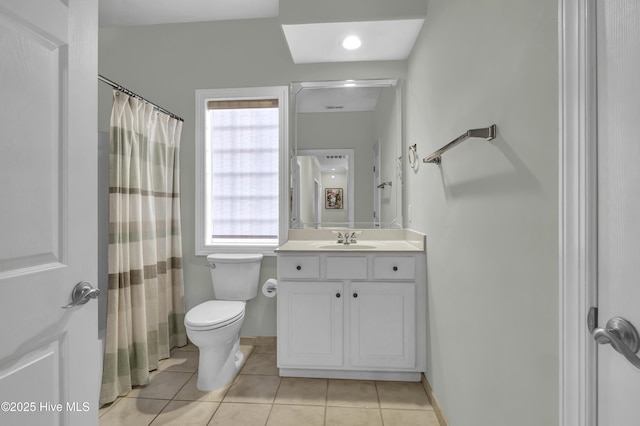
{"points": [[487, 133]]}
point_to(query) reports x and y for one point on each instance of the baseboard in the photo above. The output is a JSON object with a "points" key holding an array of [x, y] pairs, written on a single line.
{"points": [[258, 340], [390, 376], [434, 402]]}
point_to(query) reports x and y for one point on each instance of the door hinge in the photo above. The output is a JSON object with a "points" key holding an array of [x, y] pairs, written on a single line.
{"points": [[592, 319]]}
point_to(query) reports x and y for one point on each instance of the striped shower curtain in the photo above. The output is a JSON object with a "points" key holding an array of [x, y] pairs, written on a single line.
{"points": [[145, 307]]}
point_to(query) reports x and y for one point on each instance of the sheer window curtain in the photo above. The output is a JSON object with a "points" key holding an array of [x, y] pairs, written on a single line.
{"points": [[243, 150], [145, 307]]}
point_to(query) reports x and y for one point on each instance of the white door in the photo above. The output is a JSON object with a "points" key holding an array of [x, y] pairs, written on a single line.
{"points": [[294, 197], [618, 93], [376, 183], [317, 202], [49, 371]]}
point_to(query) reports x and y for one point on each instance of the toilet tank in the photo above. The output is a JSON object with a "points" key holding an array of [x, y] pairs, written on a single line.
{"points": [[235, 276]]}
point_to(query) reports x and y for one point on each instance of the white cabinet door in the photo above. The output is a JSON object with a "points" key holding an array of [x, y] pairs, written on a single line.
{"points": [[383, 324], [310, 324], [49, 371]]}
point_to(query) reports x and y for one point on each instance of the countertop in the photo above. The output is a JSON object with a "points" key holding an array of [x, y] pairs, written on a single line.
{"points": [[370, 240]]}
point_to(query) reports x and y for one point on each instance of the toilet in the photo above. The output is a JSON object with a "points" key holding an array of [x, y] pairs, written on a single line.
{"points": [[214, 326]]}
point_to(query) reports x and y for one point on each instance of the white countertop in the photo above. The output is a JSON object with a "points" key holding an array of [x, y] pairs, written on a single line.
{"points": [[369, 240]]}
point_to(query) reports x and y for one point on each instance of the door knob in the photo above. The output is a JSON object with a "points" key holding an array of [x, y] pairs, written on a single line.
{"points": [[81, 293], [622, 335]]}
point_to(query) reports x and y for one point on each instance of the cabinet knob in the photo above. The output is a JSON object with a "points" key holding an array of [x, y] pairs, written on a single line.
{"points": [[355, 294], [395, 268], [338, 295], [298, 267]]}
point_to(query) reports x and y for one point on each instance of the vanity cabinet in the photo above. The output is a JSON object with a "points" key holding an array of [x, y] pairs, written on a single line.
{"points": [[354, 315]]}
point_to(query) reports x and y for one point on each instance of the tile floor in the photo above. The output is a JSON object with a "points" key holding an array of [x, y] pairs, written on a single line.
{"points": [[258, 396]]}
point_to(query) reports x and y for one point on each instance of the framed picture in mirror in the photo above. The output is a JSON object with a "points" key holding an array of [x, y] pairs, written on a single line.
{"points": [[333, 198]]}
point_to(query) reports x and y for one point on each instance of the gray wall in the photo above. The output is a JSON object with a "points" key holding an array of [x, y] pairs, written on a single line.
{"points": [[167, 63], [490, 211]]}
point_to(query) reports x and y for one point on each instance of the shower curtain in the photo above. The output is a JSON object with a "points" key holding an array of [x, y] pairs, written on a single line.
{"points": [[145, 307]]}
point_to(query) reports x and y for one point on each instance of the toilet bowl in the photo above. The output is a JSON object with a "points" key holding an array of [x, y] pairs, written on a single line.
{"points": [[214, 326]]}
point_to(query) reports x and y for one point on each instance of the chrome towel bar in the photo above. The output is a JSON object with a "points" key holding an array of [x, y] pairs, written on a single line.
{"points": [[487, 133]]}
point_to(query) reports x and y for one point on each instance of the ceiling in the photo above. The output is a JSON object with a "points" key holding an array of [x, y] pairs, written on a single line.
{"points": [[331, 163], [308, 43], [117, 13]]}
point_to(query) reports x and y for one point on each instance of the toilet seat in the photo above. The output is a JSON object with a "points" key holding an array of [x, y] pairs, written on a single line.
{"points": [[214, 314]]}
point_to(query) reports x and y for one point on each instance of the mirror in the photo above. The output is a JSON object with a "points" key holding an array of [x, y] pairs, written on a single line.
{"points": [[346, 168]]}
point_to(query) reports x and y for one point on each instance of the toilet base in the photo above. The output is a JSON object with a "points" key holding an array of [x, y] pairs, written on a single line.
{"points": [[212, 377]]}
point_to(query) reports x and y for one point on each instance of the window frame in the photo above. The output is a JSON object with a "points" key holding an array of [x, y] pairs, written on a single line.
{"points": [[202, 97]]}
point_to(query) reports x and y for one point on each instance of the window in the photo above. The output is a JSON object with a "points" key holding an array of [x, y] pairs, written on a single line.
{"points": [[241, 169]]}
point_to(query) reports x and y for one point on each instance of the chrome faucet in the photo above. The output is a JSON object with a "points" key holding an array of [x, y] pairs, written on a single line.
{"points": [[351, 239], [346, 238], [341, 237]]}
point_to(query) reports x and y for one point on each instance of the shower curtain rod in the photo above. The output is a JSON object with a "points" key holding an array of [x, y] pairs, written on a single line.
{"points": [[130, 93]]}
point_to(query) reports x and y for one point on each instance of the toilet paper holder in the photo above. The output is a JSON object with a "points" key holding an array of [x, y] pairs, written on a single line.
{"points": [[270, 287]]}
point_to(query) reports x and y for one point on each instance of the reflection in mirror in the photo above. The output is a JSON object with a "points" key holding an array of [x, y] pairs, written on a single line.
{"points": [[322, 182], [353, 127]]}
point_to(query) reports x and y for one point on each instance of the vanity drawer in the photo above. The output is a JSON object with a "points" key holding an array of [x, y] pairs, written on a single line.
{"points": [[346, 267], [394, 267], [298, 267]]}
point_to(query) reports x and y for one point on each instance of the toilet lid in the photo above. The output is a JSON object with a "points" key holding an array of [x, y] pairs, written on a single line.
{"points": [[214, 314]]}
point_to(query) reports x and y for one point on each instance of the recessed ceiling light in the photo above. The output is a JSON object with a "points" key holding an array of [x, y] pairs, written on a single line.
{"points": [[351, 42]]}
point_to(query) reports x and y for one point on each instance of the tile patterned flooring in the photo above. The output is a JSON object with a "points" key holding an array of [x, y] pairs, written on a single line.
{"points": [[258, 396]]}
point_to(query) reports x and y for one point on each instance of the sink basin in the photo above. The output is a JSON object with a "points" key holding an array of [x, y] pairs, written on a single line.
{"points": [[355, 246]]}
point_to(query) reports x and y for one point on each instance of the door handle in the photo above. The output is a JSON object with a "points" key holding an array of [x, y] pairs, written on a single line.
{"points": [[622, 335], [81, 293]]}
